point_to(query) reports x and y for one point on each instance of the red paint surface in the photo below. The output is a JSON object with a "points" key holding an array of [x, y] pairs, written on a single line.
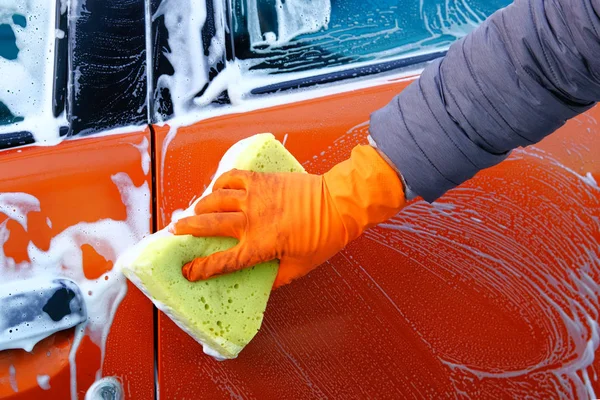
{"points": [[490, 293], [73, 184]]}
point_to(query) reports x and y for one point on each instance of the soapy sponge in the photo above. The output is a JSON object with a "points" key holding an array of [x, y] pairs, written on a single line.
{"points": [[223, 313]]}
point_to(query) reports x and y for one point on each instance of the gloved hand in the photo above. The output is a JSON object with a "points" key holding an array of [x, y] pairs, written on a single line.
{"points": [[300, 219]]}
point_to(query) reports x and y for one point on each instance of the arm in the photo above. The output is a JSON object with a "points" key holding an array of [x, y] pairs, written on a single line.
{"points": [[510, 83], [517, 78]]}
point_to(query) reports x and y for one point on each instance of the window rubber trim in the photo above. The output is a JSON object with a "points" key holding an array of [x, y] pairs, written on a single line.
{"points": [[350, 73]]}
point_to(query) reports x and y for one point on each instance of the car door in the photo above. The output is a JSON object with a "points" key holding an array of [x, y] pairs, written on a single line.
{"points": [[68, 208], [489, 292]]}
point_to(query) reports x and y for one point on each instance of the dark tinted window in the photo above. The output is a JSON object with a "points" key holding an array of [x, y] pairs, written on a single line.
{"points": [[299, 35]]}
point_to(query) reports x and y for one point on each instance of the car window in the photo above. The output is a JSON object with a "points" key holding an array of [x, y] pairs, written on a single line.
{"points": [[215, 52], [95, 64], [27, 42], [300, 35], [272, 37]]}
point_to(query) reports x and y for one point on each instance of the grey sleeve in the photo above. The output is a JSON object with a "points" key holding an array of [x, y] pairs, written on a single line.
{"points": [[514, 80]]}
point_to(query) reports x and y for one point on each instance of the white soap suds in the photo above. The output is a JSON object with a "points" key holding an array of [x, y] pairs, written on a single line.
{"points": [[43, 381], [12, 376], [149, 60], [589, 179], [457, 21], [177, 214], [64, 258], [24, 333], [216, 50], [105, 388], [28, 92], [184, 21], [230, 77], [16, 206], [144, 149], [535, 151], [79, 334], [294, 18]]}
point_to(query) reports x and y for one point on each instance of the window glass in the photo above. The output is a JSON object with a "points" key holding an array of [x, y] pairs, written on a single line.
{"points": [[300, 35], [27, 35]]}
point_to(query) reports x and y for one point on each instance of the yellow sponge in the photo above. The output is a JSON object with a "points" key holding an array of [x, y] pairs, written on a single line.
{"points": [[223, 313]]}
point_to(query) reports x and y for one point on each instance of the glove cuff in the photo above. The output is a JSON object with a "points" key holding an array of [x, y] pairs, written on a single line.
{"points": [[408, 193], [365, 190]]}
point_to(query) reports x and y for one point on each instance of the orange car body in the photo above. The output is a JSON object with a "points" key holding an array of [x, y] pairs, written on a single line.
{"points": [[445, 298], [491, 292]]}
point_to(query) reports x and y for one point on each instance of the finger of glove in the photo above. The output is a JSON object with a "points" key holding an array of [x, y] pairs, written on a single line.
{"points": [[234, 179], [222, 200], [210, 225], [290, 270], [219, 263]]}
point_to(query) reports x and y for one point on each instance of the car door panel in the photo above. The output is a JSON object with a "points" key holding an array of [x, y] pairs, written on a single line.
{"points": [[489, 292], [484, 293], [77, 186]]}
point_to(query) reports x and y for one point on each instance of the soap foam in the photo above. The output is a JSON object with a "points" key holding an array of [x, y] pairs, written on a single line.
{"points": [[43, 381], [27, 89], [294, 18], [12, 376], [22, 324], [64, 258], [184, 21]]}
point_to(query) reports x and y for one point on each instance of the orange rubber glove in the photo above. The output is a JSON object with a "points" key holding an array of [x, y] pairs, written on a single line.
{"points": [[300, 219]]}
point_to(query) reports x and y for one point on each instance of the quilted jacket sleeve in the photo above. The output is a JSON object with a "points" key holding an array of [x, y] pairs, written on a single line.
{"points": [[514, 80]]}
